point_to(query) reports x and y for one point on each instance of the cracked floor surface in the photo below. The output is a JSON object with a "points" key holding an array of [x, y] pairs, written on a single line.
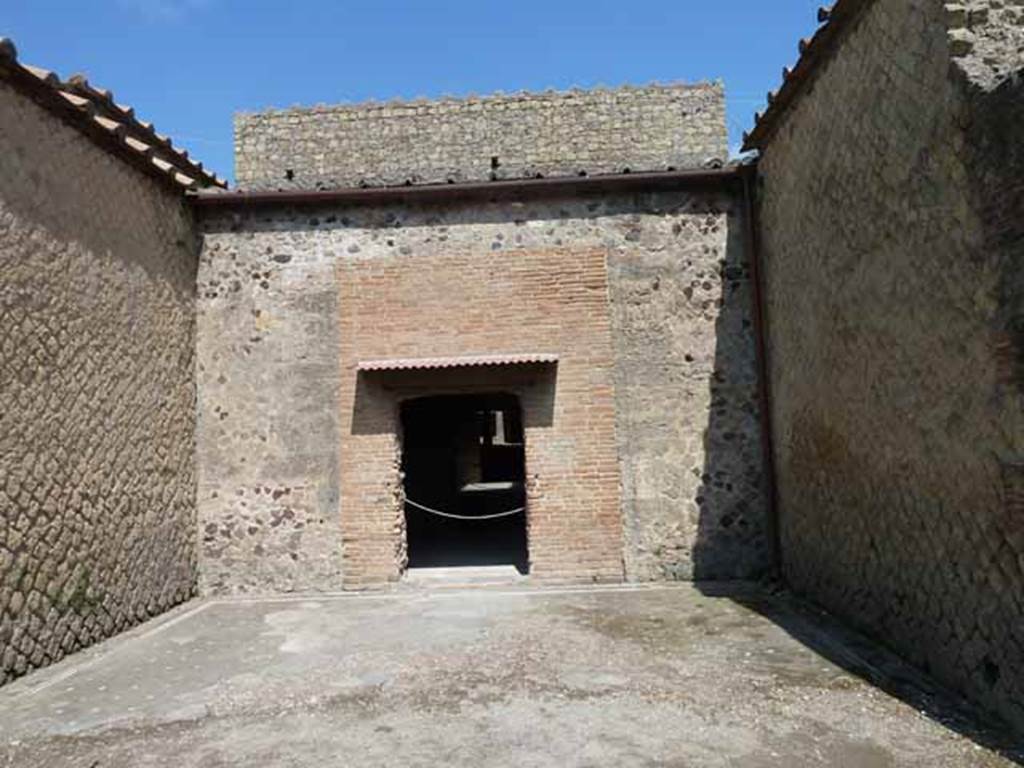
{"points": [[673, 676]]}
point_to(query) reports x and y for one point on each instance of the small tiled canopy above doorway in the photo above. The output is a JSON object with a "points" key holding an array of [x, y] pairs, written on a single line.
{"points": [[465, 361]]}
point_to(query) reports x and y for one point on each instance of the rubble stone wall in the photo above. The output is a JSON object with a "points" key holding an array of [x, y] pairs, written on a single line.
{"points": [[97, 470], [684, 379], [522, 135], [890, 218]]}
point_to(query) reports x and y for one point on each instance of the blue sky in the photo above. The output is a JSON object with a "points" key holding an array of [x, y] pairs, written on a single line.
{"points": [[188, 65]]}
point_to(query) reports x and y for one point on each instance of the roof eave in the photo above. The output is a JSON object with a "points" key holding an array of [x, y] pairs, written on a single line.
{"points": [[111, 126], [617, 182], [814, 51]]}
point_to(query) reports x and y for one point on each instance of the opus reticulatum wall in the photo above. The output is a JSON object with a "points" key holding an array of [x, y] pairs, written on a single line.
{"points": [[891, 221], [97, 342]]}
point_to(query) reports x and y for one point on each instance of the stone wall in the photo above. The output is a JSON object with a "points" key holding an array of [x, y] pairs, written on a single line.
{"points": [[891, 231], [97, 481], [986, 40], [476, 139], [686, 419]]}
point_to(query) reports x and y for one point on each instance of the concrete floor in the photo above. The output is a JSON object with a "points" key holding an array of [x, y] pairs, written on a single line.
{"points": [[673, 676]]}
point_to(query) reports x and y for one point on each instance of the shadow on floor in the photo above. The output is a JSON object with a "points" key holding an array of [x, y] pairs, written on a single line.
{"points": [[862, 658]]}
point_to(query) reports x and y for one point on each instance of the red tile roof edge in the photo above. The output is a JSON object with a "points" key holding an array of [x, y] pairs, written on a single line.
{"points": [[111, 125], [834, 21], [466, 361], [709, 176]]}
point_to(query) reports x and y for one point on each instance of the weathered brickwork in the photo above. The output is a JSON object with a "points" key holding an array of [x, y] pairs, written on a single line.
{"points": [[459, 304], [502, 136], [271, 375], [97, 481], [892, 266]]}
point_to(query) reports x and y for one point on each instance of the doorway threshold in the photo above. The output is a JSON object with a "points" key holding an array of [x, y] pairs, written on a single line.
{"points": [[463, 576]]}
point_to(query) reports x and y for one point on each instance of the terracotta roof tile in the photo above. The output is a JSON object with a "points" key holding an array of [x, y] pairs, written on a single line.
{"points": [[468, 361], [114, 126], [833, 21]]}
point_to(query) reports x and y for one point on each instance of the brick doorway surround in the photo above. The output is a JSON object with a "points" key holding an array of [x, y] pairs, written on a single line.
{"points": [[461, 305]]}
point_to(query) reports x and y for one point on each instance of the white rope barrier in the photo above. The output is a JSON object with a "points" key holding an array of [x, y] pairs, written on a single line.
{"points": [[439, 513]]}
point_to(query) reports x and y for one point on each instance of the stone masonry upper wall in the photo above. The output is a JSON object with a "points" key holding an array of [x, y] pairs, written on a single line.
{"points": [[97, 481], [503, 136]]}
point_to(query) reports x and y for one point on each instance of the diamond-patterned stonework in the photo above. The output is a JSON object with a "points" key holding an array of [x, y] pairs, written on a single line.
{"points": [[97, 499], [891, 221]]}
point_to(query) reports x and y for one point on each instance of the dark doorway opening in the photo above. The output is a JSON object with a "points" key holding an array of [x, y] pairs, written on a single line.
{"points": [[463, 461]]}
